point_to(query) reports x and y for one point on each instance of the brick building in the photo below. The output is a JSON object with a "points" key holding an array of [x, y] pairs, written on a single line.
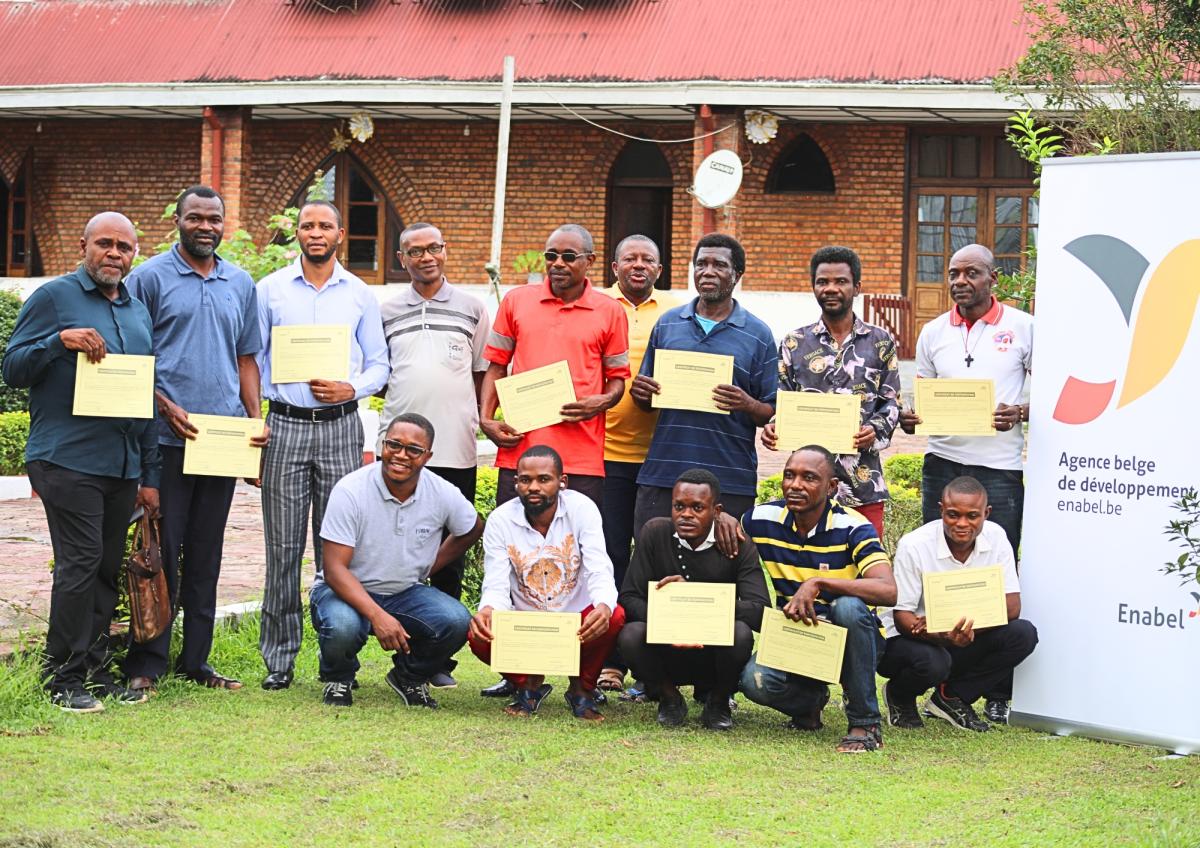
{"points": [[889, 136]]}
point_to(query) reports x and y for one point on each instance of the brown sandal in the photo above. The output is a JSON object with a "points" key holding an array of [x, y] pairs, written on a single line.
{"points": [[611, 680], [216, 681], [854, 744]]}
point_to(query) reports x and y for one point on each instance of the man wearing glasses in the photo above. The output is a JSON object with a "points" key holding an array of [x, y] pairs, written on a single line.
{"points": [[387, 528], [435, 335]]}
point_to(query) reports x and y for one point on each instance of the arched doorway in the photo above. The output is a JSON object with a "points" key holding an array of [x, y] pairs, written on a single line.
{"points": [[639, 201]]}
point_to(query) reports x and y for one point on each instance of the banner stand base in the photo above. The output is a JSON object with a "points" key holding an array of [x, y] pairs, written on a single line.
{"points": [[1064, 727]]}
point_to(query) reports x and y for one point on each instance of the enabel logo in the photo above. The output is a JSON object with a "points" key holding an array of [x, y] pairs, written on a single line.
{"points": [[1161, 327]]}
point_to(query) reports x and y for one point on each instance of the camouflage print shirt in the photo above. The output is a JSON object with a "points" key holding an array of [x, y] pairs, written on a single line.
{"points": [[811, 360]]}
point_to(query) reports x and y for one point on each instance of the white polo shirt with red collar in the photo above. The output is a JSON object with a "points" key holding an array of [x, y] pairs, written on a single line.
{"points": [[998, 346]]}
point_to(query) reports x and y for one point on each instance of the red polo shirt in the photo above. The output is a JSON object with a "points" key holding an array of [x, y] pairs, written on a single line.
{"points": [[534, 328]]}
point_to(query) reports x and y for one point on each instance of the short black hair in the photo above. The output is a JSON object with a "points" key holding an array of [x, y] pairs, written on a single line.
{"points": [[198, 191], [835, 255], [589, 244], [830, 459], [965, 486], [418, 225], [543, 451], [636, 237], [337, 213], [413, 418], [736, 250], [701, 477]]}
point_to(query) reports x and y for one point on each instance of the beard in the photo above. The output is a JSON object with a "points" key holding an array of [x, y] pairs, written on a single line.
{"points": [[198, 249], [535, 509], [320, 258]]}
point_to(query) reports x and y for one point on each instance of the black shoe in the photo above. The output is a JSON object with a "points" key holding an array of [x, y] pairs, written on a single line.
{"points": [[415, 693], [954, 710], [996, 711], [901, 714], [339, 694], [812, 721], [500, 689], [700, 696], [443, 680], [277, 680], [672, 709], [353, 685], [716, 714], [103, 686], [76, 701], [599, 697]]}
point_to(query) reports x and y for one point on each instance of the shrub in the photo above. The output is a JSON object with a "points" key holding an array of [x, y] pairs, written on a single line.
{"points": [[770, 489], [904, 470], [11, 399], [14, 432], [901, 515], [485, 501]]}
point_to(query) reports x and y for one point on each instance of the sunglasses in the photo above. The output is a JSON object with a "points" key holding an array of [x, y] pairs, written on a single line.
{"points": [[568, 256], [418, 252], [414, 451]]}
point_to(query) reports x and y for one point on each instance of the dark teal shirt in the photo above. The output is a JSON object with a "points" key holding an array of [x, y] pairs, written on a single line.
{"points": [[37, 359]]}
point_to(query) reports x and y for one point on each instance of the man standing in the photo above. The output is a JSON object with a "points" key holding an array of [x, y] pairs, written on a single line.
{"points": [[627, 428], [206, 336], [85, 469], [713, 323], [963, 664], [387, 528], [317, 436], [826, 563], [980, 339], [436, 335], [844, 355], [565, 319], [545, 551], [683, 547]]}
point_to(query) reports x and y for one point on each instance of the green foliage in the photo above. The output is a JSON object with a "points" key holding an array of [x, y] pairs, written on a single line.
{"points": [[903, 471], [11, 399], [14, 432], [901, 515], [375, 404], [770, 488], [1186, 531], [530, 262], [485, 501]]}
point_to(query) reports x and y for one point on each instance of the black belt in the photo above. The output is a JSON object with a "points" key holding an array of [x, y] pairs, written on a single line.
{"points": [[314, 414]]}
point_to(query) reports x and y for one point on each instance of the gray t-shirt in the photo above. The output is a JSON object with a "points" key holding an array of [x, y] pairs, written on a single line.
{"points": [[395, 543]]}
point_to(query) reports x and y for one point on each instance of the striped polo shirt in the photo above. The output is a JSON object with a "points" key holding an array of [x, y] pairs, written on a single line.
{"points": [[842, 545]]}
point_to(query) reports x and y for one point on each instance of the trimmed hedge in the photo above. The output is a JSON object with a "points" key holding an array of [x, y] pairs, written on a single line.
{"points": [[485, 501], [11, 399], [14, 432]]}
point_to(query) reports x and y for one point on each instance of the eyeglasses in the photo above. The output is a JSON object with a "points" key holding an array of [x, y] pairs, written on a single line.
{"points": [[418, 252], [568, 256], [414, 451]]}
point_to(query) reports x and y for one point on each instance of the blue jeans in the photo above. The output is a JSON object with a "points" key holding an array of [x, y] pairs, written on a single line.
{"points": [[798, 696], [1005, 488], [436, 625]]}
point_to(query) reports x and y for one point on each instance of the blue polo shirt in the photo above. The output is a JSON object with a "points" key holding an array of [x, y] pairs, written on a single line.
{"points": [[37, 359], [724, 444], [201, 326]]}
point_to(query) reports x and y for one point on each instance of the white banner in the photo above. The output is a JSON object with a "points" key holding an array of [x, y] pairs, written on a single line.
{"points": [[1114, 440]]}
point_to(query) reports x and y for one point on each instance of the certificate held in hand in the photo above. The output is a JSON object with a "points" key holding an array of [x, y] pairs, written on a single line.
{"points": [[686, 380], [535, 398], [955, 407], [814, 651], [686, 613], [974, 593], [118, 386], [535, 642], [222, 447], [816, 418], [303, 352]]}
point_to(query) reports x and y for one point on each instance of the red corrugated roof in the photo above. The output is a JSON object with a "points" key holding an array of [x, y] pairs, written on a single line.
{"points": [[111, 41]]}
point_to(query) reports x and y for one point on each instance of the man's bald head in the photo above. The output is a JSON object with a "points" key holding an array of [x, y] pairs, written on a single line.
{"points": [[975, 253], [108, 246], [110, 218]]}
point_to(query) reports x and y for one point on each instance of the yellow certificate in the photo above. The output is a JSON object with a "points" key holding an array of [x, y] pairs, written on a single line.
{"points": [[118, 386], [535, 398], [816, 418], [222, 447], [303, 352], [974, 593], [686, 613], [535, 642], [686, 380], [955, 407], [799, 648]]}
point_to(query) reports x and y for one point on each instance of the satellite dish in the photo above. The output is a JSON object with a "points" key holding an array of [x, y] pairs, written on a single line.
{"points": [[717, 179]]}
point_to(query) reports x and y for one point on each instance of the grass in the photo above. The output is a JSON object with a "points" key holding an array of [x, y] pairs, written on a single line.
{"points": [[251, 768]]}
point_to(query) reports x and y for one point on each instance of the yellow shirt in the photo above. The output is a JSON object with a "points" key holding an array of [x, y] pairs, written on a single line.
{"points": [[627, 429]]}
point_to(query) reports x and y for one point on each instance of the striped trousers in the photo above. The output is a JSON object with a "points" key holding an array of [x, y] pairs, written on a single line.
{"points": [[301, 464]]}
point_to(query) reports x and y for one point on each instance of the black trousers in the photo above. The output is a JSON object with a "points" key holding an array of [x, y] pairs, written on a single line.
{"points": [[982, 669], [449, 579], [586, 484], [88, 518], [194, 511], [655, 502], [620, 496], [715, 670]]}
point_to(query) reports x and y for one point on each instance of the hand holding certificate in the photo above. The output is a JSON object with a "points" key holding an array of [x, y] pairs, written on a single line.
{"points": [[816, 418], [118, 386], [534, 399], [222, 448], [976, 594], [814, 651], [686, 380], [955, 407], [303, 352], [545, 643], [686, 613]]}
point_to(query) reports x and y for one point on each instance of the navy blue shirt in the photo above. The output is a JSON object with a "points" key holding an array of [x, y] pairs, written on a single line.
{"points": [[201, 326], [724, 444], [37, 359]]}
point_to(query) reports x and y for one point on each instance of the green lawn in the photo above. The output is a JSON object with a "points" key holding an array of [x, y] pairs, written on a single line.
{"points": [[252, 768]]}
